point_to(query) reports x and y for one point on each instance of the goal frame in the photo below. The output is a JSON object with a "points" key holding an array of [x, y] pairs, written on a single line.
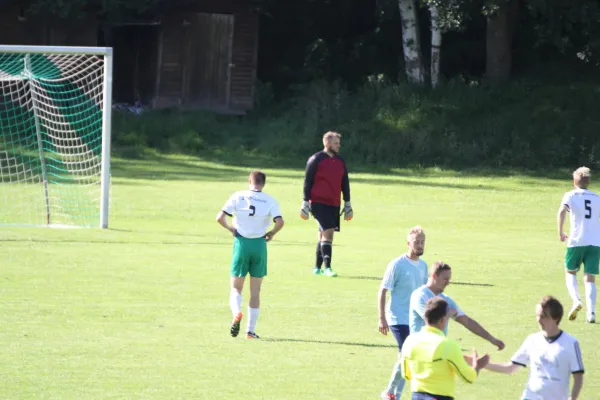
{"points": [[107, 53]]}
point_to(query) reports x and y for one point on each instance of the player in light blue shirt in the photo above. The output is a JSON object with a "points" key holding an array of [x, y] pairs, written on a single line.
{"points": [[403, 275], [439, 277]]}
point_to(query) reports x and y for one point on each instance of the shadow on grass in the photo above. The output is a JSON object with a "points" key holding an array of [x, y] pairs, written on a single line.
{"points": [[372, 345], [111, 242], [376, 278], [152, 165], [155, 166]]}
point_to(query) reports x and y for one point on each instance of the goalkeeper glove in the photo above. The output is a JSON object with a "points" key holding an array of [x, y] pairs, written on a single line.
{"points": [[347, 211], [305, 210]]}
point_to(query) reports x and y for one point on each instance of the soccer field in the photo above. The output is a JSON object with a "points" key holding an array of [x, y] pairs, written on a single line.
{"points": [[140, 311]]}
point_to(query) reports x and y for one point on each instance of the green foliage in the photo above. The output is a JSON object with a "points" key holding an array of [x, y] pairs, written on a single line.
{"points": [[462, 124], [64, 9], [452, 13], [570, 27]]}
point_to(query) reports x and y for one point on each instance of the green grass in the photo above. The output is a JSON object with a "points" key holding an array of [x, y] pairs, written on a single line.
{"points": [[140, 311]]}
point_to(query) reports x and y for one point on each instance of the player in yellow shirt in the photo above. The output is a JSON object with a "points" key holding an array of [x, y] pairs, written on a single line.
{"points": [[431, 361]]}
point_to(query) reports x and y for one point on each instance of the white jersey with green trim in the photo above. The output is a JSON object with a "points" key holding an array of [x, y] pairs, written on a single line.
{"points": [[584, 208], [252, 211]]}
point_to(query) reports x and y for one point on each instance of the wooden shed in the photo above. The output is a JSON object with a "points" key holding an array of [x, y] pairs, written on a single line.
{"points": [[189, 54], [196, 54]]}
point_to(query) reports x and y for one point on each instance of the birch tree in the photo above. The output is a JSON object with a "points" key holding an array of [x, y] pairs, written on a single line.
{"points": [[445, 16], [411, 42]]}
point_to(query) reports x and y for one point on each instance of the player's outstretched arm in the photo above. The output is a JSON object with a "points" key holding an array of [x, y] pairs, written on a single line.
{"points": [[222, 220], [503, 368], [479, 330], [278, 225], [467, 371]]}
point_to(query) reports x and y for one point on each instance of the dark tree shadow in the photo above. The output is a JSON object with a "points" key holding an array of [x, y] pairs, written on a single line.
{"points": [[375, 278], [371, 345]]}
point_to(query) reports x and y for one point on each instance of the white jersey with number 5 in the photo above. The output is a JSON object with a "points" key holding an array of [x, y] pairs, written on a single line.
{"points": [[584, 206], [253, 212]]}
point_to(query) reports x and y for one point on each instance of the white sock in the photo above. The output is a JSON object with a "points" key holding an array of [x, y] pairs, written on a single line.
{"points": [[590, 296], [572, 287], [235, 301], [252, 317]]}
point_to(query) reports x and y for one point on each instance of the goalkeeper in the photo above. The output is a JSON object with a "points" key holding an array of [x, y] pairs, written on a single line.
{"points": [[325, 178]]}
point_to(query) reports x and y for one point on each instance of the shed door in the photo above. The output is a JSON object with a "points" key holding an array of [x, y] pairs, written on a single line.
{"points": [[209, 72]]}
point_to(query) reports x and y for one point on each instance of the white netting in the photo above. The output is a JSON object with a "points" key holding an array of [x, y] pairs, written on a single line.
{"points": [[51, 112]]}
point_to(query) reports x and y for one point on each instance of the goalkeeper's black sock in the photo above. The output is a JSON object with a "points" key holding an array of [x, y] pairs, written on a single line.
{"points": [[319, 261], [326, 253]]}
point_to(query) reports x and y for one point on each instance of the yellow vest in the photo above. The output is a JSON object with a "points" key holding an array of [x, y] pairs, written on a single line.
{"points": [[431, 361]]}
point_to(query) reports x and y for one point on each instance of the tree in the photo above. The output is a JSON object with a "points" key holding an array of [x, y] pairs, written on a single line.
{"points": [[445, 15], [411, 42], [500, 17]]}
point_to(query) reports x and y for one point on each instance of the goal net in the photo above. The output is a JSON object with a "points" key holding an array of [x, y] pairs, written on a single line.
{"points": [[55, 105]]}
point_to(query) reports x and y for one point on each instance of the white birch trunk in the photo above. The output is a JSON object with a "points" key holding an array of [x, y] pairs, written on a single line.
{"points": [[411, 42], [436, 44]]}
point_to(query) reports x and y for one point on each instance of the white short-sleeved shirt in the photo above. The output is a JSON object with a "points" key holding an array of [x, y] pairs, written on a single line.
{"points": [[253, 212], [551, 365], [584, 208], [418, 303], [401, 278]]}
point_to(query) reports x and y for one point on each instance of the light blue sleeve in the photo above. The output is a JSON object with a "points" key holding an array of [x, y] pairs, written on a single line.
{"points": [[418, 301], [389, 278], [453, 306], [424, 273]]}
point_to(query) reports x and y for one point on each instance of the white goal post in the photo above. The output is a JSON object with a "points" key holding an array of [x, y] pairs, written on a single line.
{"points": [[55, 135]]}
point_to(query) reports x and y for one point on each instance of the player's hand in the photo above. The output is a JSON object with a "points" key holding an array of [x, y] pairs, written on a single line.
{"points": [[479, 363], [347, 211], [269, 236], [483, 361], [562, 236], [383, 326], [305, 210], [498, 343]]}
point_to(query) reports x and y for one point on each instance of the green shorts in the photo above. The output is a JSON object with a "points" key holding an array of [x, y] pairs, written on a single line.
{"points": [[588, 255], [249, 257]]}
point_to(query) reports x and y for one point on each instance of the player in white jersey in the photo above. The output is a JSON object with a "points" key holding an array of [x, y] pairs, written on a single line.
{"points": [[403, 275], [552, 355], [583, 244], [439, 277], [253, 211]]}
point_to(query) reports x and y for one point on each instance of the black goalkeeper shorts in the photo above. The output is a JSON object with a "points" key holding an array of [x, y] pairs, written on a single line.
{"points": [[327, 216]]}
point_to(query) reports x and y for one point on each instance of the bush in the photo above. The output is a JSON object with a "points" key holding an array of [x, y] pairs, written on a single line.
{"points": [[461, 124]]}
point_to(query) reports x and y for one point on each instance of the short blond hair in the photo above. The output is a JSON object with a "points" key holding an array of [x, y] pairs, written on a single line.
{"points": [[330, 135], [581, 176], [415, 231]]}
